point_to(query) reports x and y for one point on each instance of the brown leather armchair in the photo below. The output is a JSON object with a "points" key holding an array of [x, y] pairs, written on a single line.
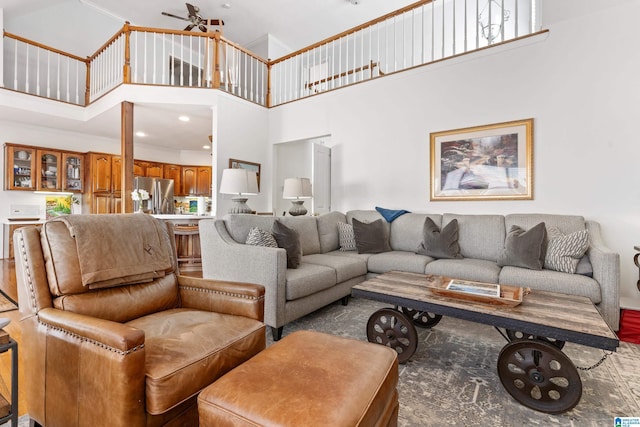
{"points": [[112, 335]]}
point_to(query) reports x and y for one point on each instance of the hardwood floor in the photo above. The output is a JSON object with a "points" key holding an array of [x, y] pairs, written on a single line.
{"points": [[8, 286]]}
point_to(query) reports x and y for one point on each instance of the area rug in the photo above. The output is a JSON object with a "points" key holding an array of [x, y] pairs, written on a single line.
{"points": [[452, 377], [6, 304]]}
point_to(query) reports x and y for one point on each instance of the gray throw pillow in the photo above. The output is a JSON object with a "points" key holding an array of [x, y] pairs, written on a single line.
{"points": [[525, 249], [440, 244], [565, 250], [258, 237], [289, 240], [371, 238], [346, 237]]}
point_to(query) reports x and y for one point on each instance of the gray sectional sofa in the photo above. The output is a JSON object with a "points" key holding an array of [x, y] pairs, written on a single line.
{"points": [[326, 274]]}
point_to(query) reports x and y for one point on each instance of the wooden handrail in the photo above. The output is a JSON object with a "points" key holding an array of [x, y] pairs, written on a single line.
{"points": [[108, 42], [353, 30], [43, 46], [371, 65], [243, 50]]}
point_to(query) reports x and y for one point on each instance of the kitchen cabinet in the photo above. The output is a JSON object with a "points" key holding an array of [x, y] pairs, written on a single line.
{"points": [[147, 169], [104, 180], [73, 175], [20, 167], [174, 172], [196, 180], [48, 176]]}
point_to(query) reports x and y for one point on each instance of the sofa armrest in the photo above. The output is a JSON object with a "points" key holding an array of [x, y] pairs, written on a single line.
{"points": [[606, 271], [240, 299], [225, 259]]}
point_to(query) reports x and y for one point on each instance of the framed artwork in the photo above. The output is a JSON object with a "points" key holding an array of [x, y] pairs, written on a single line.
{"points": [[491, 162], [241, 164]]}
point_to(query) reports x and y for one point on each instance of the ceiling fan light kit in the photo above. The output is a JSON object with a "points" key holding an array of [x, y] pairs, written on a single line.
{"points": [[195, 19]]}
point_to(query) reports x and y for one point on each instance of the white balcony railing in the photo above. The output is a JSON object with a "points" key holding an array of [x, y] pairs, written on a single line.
{"points": [[422, 33]]}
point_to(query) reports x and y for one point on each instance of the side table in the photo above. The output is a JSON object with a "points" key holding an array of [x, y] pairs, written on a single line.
{"points": [[12, 413], [635, 261]]}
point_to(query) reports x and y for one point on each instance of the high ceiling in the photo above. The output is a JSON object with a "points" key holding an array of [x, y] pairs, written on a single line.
{"points": [[294, 23]]}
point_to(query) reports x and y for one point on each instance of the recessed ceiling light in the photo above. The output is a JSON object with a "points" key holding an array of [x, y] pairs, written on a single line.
{"points": [[226, 5], [206, 147], [141, 134], [184, 118]]}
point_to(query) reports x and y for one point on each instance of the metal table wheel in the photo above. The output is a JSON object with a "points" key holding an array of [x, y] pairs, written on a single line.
{"points": [[423, 319], [394, 329], [540, 376]]}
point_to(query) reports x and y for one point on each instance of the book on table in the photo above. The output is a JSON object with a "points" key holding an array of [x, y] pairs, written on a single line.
{"points": [[474, 288]]}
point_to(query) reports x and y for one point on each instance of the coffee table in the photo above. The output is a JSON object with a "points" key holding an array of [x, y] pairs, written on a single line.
{"points": [[531, 366]]}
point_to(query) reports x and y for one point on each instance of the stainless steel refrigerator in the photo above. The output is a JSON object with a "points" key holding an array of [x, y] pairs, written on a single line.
{"points": [[161, 192]]}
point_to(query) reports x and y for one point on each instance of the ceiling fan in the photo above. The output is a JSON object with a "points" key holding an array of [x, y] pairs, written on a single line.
{"points": [[195, 19]]}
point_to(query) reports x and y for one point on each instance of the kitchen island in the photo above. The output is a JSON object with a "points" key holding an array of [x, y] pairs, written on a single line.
{"points": [[187, 240]]}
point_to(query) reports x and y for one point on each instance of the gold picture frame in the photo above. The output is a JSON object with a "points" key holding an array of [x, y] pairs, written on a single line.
{"points": [[242, 164], [491, 162]]}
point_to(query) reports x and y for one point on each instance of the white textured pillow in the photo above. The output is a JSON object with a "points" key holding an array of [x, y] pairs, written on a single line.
{"points": [[565, 250], [258, 237], [346, 236]]}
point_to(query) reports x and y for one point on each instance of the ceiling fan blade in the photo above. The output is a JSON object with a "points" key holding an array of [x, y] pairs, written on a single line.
{"points": [[189, 27], [192, 9], [174, 16]]}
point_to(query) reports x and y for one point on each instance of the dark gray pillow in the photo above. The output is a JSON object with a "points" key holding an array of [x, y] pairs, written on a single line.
{"points": [[525, 249], [288, 239], [372, 237], [440, 244]]}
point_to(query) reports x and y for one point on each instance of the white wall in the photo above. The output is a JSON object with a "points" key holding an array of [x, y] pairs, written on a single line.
{"points": [[580, 85], [242, 132]]}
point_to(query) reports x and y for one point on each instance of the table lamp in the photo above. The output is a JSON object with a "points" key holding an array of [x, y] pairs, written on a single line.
{"points": [[297, 189], [240, 183]]}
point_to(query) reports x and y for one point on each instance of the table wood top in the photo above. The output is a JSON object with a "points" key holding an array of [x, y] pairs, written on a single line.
{"points": [[563, 317]]}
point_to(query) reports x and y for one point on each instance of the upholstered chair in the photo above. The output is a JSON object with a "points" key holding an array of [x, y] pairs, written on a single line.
{"points": [[112, 335]]}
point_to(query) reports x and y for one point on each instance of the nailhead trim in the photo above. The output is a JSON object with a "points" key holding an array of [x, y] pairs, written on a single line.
{"points": [[27, 270], [92, 341], [230, 294]]}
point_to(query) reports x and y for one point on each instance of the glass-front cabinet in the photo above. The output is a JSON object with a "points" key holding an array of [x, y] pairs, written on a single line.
{"points": [[49, 166], [20, 168], [73, 172]]}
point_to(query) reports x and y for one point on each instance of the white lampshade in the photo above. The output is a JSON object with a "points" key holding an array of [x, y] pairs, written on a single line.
{"points": [[238, 181], [297, 188]]}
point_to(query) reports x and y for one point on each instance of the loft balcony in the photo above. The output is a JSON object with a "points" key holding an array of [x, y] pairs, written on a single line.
{"points": [[419, 34]]}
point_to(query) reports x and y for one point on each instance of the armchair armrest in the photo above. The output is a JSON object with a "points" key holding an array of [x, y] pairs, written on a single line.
{"points": [[241, 299], [101, 361], [114, 335]]}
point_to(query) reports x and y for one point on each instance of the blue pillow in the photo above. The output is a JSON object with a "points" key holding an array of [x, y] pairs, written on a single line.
{"points": [[390, 214]]}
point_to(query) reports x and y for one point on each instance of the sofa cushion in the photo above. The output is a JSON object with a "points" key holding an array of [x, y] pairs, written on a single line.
{"points": [[371, 238], [307, 228], [177, 369], [566, 223], [308, 279], [346, 268], [554, 281], [289, 240], [440, 244], [525, 248], [398, 260], [406, 231], [479, 236], [465, 269], [564, 251], [391, 214], [328, 230], [347, 237], [258, 237]]}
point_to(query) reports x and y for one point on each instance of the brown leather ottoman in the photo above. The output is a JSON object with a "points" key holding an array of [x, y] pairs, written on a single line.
{"points": [[307, 379]]}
